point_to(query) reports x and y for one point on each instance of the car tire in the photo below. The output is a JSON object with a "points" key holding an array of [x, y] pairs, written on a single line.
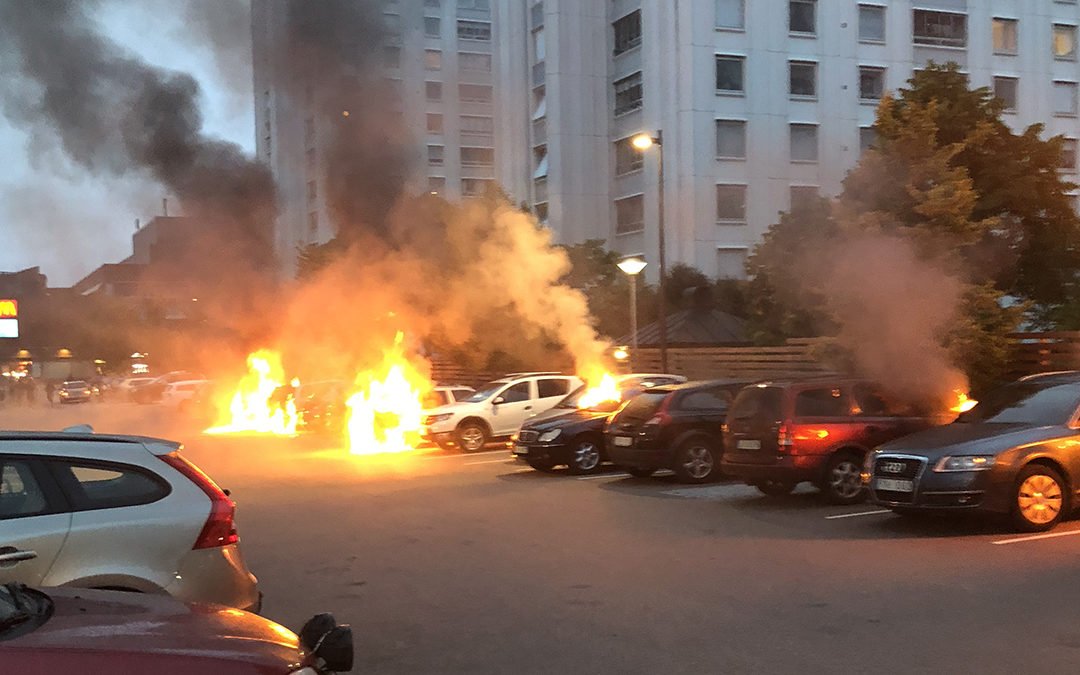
{"points": [[585, 456], [1040, 499], [544, 464], [640, 473], [471, 436], [696, 460], [775, 488], [842, 483]]}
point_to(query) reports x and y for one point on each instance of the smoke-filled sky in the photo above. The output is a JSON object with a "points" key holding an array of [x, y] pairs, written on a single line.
{"points": [[52, 213]]}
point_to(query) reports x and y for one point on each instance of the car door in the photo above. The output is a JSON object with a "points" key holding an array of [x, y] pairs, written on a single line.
{"points": [[34, 520], [512, 406], [549, 391]]}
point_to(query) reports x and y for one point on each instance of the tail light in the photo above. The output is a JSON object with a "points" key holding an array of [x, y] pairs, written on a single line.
{"points": [[220, 527], [784, 438], [661, 417]]}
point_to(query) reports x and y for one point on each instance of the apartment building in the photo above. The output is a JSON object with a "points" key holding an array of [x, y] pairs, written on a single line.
{"points": [[760, 103], [438, 57]]}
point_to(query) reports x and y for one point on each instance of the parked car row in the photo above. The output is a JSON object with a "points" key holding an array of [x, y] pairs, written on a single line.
{"points": [[1015, 454]]}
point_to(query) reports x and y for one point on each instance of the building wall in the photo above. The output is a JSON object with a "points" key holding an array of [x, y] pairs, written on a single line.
{"points": [[680, 41]]}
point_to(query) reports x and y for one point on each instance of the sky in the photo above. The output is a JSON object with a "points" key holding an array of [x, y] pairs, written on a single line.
{"points": [[52, 214]]}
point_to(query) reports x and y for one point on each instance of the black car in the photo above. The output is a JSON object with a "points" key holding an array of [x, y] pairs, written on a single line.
{"points": [[571, 435], [675, 427], [1016, 453]]}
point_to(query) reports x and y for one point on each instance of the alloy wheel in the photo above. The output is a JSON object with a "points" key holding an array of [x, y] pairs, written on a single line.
{"points": [[472, 438], [845, 479], [586, 456], [1039, 499], [699, 462]]}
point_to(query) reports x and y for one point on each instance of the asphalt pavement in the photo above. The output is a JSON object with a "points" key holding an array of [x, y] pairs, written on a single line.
{"points": [[477, 564]]}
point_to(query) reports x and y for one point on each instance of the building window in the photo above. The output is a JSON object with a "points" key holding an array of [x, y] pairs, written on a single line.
{"points": [[630, 214], [433, 4], [871, 23], [1005, 88], [1064, 42], [432, 59], [867, 138], [802, 78], [474, 30], [1004, 32], [627, 158], [731, 203], [801, 16], [432, 26], [476, 124], [475, 93], [433, 91], [541, 162], [434, 123], [939, 29], [731, 262], [1065, 98], [539, 45], [871, 83], [731, 139], [483, 5], [729, 74], [435, 155], [312, 191], [731, 14], [436, 184], [478, 62], [477, 157], [475, 187], [802, 195], [391, 57], [627, 32], [392, 24], [804, 143], [628, 94], [1068, 154], [537, 14], [541, 211]]}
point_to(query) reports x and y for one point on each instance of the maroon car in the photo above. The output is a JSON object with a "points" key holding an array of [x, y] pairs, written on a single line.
{"points": [[67, 630]]}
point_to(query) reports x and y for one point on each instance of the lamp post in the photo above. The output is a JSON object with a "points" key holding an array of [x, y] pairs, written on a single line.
{"points": [[643, 142], [632, 267]]}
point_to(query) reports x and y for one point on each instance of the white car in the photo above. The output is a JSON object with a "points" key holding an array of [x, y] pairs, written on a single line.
{"points": [[447, 395], [497, 409], [125, 386], [177, 394], [117, 512]]}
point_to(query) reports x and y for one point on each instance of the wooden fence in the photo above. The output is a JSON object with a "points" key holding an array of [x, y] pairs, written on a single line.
{"points": [[1040, 352]]}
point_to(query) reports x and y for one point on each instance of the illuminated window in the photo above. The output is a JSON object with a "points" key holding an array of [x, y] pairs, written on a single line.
{"points": [[1064, 42], [1004, 32]]}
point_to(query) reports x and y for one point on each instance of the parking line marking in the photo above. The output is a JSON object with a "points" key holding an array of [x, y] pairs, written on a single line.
{"points": [[1048, 535], [490, 461], [860, 513], [471, 454], [604, 475]]}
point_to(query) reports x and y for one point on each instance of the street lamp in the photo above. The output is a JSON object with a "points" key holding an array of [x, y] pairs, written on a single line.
{"points": [[643, 142], [632, 267]]}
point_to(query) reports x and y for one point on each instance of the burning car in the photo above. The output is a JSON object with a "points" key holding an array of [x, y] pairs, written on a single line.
{"points": [[1015, 454], [571, 433]]}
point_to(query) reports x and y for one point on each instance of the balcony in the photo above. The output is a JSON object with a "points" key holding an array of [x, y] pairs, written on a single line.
{"points": [[539, 131], [538, 74]]}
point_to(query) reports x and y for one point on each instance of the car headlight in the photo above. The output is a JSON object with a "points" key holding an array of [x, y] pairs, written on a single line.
{"points": [[549, 436], [965, 463], [435, 419]]}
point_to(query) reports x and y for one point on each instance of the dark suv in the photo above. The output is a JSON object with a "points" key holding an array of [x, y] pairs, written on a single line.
{"points": [[779, 434], [673, 427]]}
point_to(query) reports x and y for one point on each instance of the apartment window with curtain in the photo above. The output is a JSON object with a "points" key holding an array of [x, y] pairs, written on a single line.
{"points": [[729, 74], [1064, 42], [1005, 89], [802, 17], [627, 32], [731, 204], [871, 23], [1004, 33], [730, 139], [804, 142], [731, 14], [628, 94], [802, 79], [630, 214]]}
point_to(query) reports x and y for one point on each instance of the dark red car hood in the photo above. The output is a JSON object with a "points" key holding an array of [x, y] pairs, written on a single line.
{"points": [[114, 622]]}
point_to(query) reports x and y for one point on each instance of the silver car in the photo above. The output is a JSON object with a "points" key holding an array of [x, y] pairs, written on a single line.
{"points": [[117, 512]]}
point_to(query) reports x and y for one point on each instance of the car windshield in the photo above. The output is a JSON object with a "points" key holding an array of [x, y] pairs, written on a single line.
{"points": [[76, 383], [1031, 402], [627, 390], [487, 391], [644, 405], [18, 604]]}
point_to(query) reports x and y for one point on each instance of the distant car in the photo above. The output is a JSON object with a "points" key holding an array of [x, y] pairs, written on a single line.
{"points": [[182, 394], [447, 395], [496, 410], [67, 630], [150, 392], [785, 432], [74, 391], [1016, 453], [124, 388], [571, 435], [675, 427], [121, 512]]}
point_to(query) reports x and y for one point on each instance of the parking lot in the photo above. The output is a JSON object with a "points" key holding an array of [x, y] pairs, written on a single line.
{"points": [[475, 563]]}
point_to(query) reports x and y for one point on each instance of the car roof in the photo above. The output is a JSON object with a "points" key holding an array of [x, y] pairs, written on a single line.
{"points": [[1060, 376], [816, 378], [700, 384], [77, 436]]}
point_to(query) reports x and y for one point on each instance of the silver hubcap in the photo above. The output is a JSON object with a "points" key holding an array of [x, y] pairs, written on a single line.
{"points": [[586, 456], [1039, 499], [698, 462], [472, 438], [845, 479]]}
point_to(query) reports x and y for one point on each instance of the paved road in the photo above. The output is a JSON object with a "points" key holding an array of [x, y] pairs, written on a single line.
{"points": [[474, 564]]}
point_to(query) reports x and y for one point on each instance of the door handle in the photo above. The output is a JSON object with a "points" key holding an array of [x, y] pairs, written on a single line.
{"points": [[11, 556], [528, 407]]}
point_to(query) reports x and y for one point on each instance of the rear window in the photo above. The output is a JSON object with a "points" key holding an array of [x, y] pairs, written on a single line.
{"points": [[107, 486], [823, 402], [757, 403], [644, 405], [549, 388], [20, 494], [705, 400]]}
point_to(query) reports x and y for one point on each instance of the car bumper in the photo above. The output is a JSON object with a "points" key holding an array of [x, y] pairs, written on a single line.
{"points": [[218, 575], [557, 452], [948, 491], [787, 469], [643, 454]]}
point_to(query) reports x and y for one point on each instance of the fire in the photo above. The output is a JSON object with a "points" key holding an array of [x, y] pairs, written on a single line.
{"points": [[963, 403], [259, 405], [605, 390], [386, 413]]}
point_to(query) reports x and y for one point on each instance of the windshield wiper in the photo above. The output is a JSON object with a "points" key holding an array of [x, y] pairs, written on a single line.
{"points": [[14, 620]]}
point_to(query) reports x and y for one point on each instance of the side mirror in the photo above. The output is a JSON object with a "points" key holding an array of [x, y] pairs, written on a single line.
{"points": [[498, 401], [323, 638]]}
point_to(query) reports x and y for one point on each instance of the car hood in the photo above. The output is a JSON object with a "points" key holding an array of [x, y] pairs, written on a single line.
{"points": [[965, 438], [451, 408], [560, 418], [113, 621]]}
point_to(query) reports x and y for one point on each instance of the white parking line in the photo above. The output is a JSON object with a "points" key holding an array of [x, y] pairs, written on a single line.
{"points": [[491, 461], [471, 454], [1048, 535], [604, 475], [860, 513]]}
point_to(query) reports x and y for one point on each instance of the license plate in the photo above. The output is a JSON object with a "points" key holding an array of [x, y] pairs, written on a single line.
{"points": [[748, 445], [623, 441], [893, 485], [521, 450]]}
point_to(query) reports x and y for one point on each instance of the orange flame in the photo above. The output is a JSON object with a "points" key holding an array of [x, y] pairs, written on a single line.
{"points": [[607, 389], [963, 403], [252, 408], [386, 413]]}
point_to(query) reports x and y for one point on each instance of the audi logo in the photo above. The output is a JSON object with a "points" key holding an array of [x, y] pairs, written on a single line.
{"points": [[892, 467]]}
